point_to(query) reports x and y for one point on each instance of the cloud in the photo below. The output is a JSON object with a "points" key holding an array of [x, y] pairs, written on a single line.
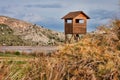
{"points": [[44, 6], [32, 18], [99, 17], [4, 10], [48, 13], [101, 13]]}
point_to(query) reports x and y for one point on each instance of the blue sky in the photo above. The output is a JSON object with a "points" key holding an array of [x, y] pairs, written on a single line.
{"points": [[48, 13]]}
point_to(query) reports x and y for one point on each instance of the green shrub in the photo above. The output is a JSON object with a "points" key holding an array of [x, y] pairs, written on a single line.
{"points": [[17, 53], [118, 47]]}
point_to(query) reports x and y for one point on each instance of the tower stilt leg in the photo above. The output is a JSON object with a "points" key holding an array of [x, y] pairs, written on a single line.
{"points": [[65, 38]]}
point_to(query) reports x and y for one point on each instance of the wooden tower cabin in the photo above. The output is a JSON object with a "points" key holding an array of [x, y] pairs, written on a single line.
{"points": [[74, 24]]}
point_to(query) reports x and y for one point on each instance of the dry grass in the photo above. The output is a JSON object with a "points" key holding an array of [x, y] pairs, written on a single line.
{"points": [[95, 57]]}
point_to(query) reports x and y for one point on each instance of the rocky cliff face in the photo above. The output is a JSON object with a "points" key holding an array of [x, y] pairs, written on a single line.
{"points": [[32, 32]]}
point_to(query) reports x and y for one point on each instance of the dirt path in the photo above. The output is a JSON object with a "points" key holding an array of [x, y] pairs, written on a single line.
{"points": [[29, 49]]}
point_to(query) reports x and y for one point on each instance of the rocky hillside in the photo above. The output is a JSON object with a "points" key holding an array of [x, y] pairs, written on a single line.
{"points": [[28, 33]]}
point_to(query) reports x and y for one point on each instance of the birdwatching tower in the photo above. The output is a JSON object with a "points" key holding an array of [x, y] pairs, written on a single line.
{"points": [[75, 23]]}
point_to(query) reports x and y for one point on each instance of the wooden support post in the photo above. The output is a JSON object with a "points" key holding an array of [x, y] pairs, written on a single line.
{"points": [[65, 38], [71, 38]]}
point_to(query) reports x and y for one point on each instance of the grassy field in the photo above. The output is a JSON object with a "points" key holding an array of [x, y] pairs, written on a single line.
{"points": [[15, 56]]}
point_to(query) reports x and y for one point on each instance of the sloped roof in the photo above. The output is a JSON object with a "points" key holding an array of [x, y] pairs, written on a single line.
{"points": [[74, 14]]}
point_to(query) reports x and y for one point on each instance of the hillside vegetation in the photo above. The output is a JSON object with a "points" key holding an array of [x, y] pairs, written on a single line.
{"points": [[95, 57], [28, 34], [7, 37]]}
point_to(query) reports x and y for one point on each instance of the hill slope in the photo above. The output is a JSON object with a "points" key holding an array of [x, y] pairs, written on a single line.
{"points": [[32, 33]]}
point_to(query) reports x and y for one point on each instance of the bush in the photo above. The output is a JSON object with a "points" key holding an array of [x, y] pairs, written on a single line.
{"points": [[116, 27], [17, 53], [118, 47]]}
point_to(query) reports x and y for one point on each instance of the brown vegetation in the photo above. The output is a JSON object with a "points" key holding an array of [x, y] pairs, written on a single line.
{"points": [[95, 57]]}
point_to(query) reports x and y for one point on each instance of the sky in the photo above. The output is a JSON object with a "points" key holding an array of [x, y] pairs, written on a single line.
{"points": [[48, 13]]}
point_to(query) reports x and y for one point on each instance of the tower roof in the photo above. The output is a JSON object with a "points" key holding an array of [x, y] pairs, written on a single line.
{"points": [[74, 14]]}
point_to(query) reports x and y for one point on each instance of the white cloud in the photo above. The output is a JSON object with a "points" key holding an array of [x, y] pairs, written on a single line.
{"points": [[32, 18], [47, 11]]}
